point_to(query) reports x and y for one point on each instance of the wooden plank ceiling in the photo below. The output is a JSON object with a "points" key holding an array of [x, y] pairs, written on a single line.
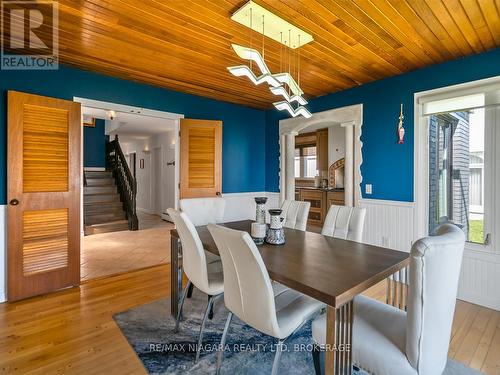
{"points": [[185, 44]]}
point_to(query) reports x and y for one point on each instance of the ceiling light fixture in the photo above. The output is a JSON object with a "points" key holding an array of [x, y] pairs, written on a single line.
{"points": [[111, 115], [290, 36], [243, 70], [284, 105], [290, 99]]}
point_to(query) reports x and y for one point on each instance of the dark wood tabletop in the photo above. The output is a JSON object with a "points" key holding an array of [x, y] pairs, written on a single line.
{"points": [[328, 269]]}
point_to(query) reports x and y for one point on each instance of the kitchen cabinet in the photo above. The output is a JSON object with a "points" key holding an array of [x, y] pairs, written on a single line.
{"points": [[336, 198], [317, 200], [320, 200], [322, 151]]}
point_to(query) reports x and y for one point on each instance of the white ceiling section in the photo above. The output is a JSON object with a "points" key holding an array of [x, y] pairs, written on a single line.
{"points": [[130, 124]]}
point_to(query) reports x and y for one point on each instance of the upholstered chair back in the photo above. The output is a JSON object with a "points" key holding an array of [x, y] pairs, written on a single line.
{"points": [[193, 256], [203, 211], [295, 214], [248, 292], [434, 272], [344, 222]]}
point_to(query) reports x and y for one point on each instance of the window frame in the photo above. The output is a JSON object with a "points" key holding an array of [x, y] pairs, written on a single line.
{"points": [[421, 163]]}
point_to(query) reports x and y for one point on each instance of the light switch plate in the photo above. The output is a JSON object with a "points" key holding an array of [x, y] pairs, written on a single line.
{"points": [[368, 188]]}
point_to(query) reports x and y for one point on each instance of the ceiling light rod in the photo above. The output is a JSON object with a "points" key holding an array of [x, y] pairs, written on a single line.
{"points": [[274, 25]]}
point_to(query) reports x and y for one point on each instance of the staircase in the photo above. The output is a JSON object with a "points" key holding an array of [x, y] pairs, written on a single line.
{"points": [[103, 210]]}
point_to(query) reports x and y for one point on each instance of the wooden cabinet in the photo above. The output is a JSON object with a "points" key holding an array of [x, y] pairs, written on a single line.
{"points": [[306, 140], [336, 198], [317, 200], [322, 150], [320, 200]]}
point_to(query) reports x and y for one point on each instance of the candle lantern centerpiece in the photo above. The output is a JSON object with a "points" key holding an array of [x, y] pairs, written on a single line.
{"points": [[275, 233], [260, 210], [259, 228]]}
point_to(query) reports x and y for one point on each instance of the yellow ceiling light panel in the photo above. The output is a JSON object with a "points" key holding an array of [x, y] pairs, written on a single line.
{"points": [[274, 27]]}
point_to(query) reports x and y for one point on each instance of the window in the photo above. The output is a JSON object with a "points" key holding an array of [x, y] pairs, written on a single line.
{"points": [[305, 162], [456, 171]]}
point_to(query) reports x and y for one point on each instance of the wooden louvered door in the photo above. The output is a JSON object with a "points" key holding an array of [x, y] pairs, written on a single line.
{"points": [[44, 137], [201, 158]]}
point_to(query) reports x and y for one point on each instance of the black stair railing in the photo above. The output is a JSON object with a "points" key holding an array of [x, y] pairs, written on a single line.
{"points": [[127, 186]]}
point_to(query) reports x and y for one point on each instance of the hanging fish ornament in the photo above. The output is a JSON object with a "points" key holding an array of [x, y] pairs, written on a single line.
{"points": [[401, 129]]}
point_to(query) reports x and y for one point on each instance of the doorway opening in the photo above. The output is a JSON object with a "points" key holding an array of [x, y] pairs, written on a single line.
{"points": [[321, 160], [130, 170]]}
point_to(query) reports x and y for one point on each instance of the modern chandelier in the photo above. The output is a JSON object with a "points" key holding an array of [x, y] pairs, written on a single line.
{"points": [[282, 84]]}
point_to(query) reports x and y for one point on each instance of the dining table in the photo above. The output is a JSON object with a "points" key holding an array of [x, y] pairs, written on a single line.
{"points": [[331, 270]]}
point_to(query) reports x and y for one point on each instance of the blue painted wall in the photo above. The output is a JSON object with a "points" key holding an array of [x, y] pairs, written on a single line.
{"points": [[250, 137], [94, 144], [243, 149], [386, 165]]}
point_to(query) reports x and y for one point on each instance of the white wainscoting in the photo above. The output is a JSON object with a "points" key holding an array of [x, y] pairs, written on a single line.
{"points": [[388, 223], [3, 253], [480, 279]]}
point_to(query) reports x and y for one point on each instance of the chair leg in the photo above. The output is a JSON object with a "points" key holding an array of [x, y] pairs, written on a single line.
{"points": [[205, 316], [220, 354], [211, 312], [181, 304], [190, 291], [316, 353], [277, 357]]}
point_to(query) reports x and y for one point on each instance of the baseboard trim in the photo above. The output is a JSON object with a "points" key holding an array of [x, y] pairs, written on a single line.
{"points": [[480, 300], [94, 169], [146, 211]]}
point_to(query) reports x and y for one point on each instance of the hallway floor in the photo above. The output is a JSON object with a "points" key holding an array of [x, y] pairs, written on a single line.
{"points": [[113, 253]]}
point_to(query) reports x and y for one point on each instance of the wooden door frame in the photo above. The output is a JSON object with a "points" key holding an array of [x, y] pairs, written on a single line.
{"points": [[154, 175], [108, 106], [190, 125], [134, 171]]}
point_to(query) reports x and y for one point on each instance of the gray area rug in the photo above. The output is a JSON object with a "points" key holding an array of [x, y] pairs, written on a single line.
{"points": [[150, 331]]}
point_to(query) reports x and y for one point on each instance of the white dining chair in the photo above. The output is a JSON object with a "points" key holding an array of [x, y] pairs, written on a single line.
{"points": [[203, 211], [250, 296], [295, 214], [344, 222], [387, 340], [206, 277]]}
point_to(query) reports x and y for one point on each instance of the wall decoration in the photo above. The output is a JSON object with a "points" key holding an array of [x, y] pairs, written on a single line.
{"points": [[141, 164], [401, 129], [88, 121]]}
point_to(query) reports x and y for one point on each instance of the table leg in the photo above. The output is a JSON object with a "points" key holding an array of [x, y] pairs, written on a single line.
{"points": [[175, 275], [338, 355]]}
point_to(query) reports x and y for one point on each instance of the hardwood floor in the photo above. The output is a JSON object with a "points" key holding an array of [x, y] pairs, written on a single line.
{"points": [[107, 254], [73, 332]]}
